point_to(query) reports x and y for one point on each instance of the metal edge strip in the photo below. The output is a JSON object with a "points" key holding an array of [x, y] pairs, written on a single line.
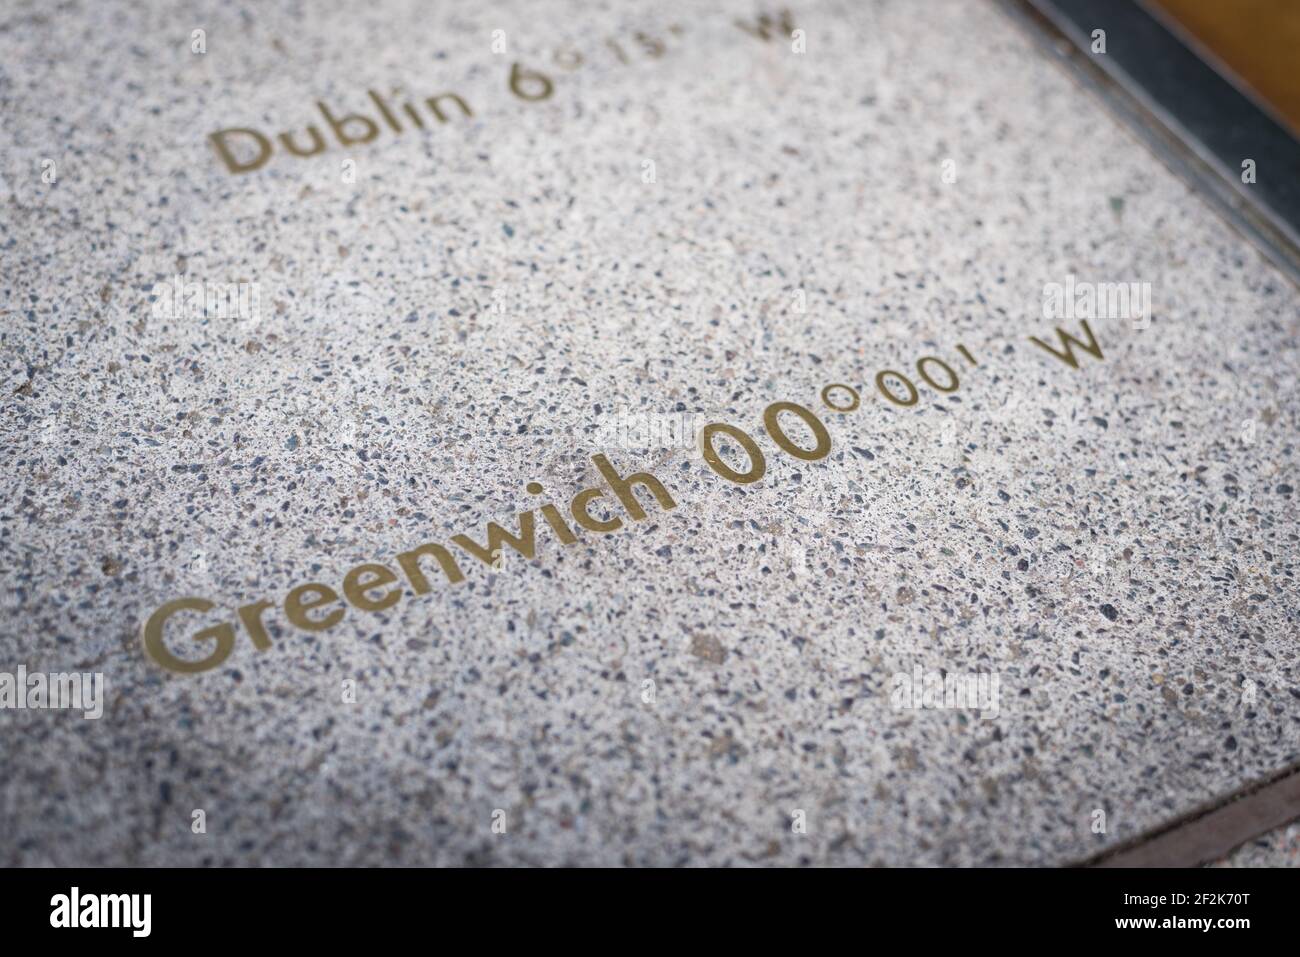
{"points": [[1212, 831], [1195, 121]]}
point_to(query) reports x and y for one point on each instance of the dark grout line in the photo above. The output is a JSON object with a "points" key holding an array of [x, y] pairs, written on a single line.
{"points": [[1213, 830]]}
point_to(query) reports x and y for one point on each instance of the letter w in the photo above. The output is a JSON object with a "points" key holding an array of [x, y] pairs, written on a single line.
{"points": [[1068, 342], [764, 29], [497, 536]]}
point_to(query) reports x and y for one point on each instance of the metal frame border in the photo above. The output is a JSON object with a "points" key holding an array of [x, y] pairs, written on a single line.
{"points": [[1196, 121]]}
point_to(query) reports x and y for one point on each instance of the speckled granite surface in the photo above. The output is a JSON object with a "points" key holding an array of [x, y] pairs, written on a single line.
{"points": [[464, 318]]}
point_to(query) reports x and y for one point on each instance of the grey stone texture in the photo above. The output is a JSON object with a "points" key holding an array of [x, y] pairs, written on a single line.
{"points": [[1117, 542]]}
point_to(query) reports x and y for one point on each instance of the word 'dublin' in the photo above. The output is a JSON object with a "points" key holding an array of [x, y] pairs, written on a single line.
{"points": [[244, 149]]}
